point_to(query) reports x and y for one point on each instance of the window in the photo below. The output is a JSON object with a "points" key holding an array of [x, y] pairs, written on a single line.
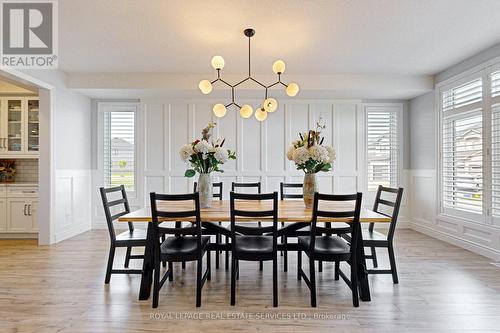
{"points": [[382, 149], [495, 144], [118, 146]]}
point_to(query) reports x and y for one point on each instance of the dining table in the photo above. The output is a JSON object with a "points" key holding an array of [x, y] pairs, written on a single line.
{"points": [[292, 213]]}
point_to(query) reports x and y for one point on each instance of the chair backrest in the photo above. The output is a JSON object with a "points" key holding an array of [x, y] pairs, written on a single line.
{"points": [[268, 211], [394, 205], [160, 214], [284, 195], [217, 194], [354, 227], [107, 204], [256, 185]]}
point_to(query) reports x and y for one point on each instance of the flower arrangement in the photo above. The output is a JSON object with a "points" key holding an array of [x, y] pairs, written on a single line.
{"points": [[7, 170], [309, 154], [205, 156]]}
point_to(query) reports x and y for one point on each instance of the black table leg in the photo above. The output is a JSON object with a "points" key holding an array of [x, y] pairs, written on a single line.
{"points": [[147, 266], [364, 286]]}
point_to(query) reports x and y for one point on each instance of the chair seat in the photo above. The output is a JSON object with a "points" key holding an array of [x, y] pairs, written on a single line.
{"points": [[326, 245], [254, 244], [180, 246], [134, 235]]}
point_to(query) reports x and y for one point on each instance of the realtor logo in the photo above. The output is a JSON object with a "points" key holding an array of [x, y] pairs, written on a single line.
{"points": [[29, 34]]}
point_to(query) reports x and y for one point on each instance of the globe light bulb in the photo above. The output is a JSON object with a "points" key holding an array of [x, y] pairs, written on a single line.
{"points": [[260, 114], [292, 89], [219, 110], [279, 67], [218, 62], [246, 111], [205, 87], [270, 104]]}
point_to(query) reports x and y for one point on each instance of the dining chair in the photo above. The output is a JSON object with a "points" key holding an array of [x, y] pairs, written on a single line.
{"points": [[250, 228], [129, 239], [284, 195], [331, 248], [261, 247], [374, 239], [218, 236], [192, 246]]}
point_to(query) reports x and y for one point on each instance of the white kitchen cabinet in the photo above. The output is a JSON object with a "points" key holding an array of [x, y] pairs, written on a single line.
{"points": [[19, 127], [18, 209], [17, 216], [3, 214]]}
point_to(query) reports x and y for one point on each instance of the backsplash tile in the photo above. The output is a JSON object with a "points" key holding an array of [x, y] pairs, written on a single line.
{"points": [[27, 170]]}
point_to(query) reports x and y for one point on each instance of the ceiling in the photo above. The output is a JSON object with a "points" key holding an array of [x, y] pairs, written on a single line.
{"points": [[361, 37]]}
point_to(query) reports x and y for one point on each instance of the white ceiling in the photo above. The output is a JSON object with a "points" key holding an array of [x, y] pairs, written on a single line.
{"points": [[361, 37]]}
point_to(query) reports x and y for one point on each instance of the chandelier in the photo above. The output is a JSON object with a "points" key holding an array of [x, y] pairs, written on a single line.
{"points": [[269, 105]]}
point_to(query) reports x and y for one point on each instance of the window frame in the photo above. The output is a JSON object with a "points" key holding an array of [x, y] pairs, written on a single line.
{"points": [[103, 107]]}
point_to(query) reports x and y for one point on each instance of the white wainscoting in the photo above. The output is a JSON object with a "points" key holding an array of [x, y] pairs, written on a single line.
{"points": [[476, 237], [72, 203]]}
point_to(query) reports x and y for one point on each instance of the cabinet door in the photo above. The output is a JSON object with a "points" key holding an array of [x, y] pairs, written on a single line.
{"points": [[17, 216], [3, 125], [15, 127], [3, 214], [32, 126], [33, 212]]}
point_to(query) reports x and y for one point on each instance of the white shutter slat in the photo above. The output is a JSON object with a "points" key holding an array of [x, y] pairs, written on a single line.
{"points": [[495, 149], [463, 95]]}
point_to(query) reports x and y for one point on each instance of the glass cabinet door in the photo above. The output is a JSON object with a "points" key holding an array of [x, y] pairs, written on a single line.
{"points": [[14, 125], [33, 125]]}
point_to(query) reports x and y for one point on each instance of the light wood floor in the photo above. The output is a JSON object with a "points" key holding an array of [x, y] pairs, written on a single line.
{"points": [[60, 289]]}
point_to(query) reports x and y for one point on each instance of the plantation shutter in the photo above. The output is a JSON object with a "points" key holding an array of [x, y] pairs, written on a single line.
{"points": [[119, 149], [495, 144], [382, 152], [462, 148]]}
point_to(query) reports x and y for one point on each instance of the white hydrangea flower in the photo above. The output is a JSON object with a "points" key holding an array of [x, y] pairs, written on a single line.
{"points": [[301, 155], [202, 147], [289, 153], [221, 155], [331, 154], [185, 152], [319, 154]]}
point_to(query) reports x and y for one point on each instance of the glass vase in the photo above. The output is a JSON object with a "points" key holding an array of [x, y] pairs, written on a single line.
{"points": [[205, 189], [310, 187]]}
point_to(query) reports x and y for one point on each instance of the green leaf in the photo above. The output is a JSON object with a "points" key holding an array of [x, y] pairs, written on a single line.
{"points": [[326, 167], [189, 173]]}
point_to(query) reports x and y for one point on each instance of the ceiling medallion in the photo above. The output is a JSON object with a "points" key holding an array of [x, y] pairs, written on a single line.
{"points": [[269, 105]]}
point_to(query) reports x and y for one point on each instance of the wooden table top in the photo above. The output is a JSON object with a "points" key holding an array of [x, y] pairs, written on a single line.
{"points": [[288, 211]]}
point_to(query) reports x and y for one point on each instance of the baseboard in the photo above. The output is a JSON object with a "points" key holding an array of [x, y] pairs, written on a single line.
{"points": [[20, 235], [457, 241]]}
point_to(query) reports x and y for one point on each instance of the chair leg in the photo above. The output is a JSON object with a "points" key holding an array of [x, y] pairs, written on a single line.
{"points": [[156, 283], [354, 283], [127, 256], [312, 278], [198, 282], [320, 266], [233, 281], [218, 240], [392, 260], [183, 265], [227, 254], [261, 265], [275, 281], [299, 264], [285, 258], [374, 257], [111, 258], [337, 268], [171, 269], [164, 263], [209, 270], [237, 269]]}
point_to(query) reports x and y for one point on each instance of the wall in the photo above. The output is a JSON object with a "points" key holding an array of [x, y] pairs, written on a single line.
{"points": [[260, 146]]}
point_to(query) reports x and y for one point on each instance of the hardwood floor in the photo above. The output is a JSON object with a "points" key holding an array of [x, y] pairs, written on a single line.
{"points": [[61, 289]]}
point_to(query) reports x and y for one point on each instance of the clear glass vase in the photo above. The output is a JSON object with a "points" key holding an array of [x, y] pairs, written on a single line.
{"points": [[310, 187], [205, 189]]}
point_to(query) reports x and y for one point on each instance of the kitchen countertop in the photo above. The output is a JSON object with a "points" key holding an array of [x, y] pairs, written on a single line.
{"points": [[27, 184]]}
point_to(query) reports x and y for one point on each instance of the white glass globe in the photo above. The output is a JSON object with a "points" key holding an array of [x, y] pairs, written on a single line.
{"points": [[292, 89], [219, 110], [246, 111], [260, 114], [270, 104], [205, 87], [218, 62], [279, 67]]}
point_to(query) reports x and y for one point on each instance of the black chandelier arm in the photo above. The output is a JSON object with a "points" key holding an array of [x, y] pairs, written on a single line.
{"points": [[233, 103]]}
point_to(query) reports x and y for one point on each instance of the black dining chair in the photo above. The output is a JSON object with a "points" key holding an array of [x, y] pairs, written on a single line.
{"points": [[192, 246], [217, 194], [331, 248], [284, 194], [374, 239], [129, 239], [261, 247], [250, 228]]}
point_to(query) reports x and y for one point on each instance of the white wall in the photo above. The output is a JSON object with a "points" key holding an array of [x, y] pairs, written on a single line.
{"points": [[165, 125]]}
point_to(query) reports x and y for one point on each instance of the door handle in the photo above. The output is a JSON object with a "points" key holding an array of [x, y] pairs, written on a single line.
{"points": [[25, 206], [29, 209]]}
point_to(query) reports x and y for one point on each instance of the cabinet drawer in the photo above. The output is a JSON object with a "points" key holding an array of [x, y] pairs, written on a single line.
{"points": [[22, 191]]}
